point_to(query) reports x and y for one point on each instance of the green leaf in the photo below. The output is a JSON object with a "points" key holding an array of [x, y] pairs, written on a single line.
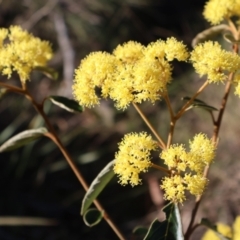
{"points": [[209, 33], [140, 232], [47, 71], [169, 229], [22, 139], [197, 103], [97, 186], [207, 223], [92, 217], [67, 104]]}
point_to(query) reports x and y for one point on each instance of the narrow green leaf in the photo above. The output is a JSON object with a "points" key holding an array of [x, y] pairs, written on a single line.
{"points": [[67, 104], [92, 217], [47, 71], [197, 103], [169, 229], [97, 186], [207, 223], [140, 232], [209, 33], [194, 101], [22, 139], [205, 107]]}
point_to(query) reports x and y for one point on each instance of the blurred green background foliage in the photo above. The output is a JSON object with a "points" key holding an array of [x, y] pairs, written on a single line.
{"points": [[36, 181]]}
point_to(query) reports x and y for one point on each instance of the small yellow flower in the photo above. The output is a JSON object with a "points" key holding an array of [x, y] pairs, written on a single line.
{"points": [[175, 49], [151, 79], [225, 230], [202, 152], [231, 233], [210, 59], [170, 50], [133, 157], [22, 53], [237, 84], [94, 71], [195, 184], [129, 52], [174, 188], [155, 50], [215, 11], [236, 228], [120, 87], [175, 157]]}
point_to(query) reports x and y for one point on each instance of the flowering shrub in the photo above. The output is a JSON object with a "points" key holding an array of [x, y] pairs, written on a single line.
{"points": [[131, 75]]}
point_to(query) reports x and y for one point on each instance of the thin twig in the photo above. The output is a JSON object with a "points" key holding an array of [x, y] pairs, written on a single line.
{"points": [[217, 126], [161, 168], [166, 97], [12, 88], [162, 144], [182, 110], [54, 137], [172, 122]]}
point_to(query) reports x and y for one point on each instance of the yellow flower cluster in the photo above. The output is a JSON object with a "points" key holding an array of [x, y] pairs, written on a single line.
{"points": [[22, 52], [132, 73], [209, 58], [216, 11], [133, 157], [186, 168], [202, 152], [228, 232]]}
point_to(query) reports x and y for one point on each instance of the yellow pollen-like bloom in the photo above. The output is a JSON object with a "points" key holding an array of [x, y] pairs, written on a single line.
{"points": [[155, 50], [202, 152], [151, 78], [22, 53], [216, 11], [175, 157], [236, 228], [170, 50], [94, 71], [178, 160], [225, 230], [129, 52], [133, 73], [174, 188], [209, 58], [133, 157], [121, 85], [237, 84], [175, 49], [195, 184]]}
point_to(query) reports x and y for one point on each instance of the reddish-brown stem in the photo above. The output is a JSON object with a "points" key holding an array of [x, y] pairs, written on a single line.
{"points": [[182, 110], [180, 113], [172, 120], [54, 137], [161, 142], [161, 168], [217, 125], [166, 97]]}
